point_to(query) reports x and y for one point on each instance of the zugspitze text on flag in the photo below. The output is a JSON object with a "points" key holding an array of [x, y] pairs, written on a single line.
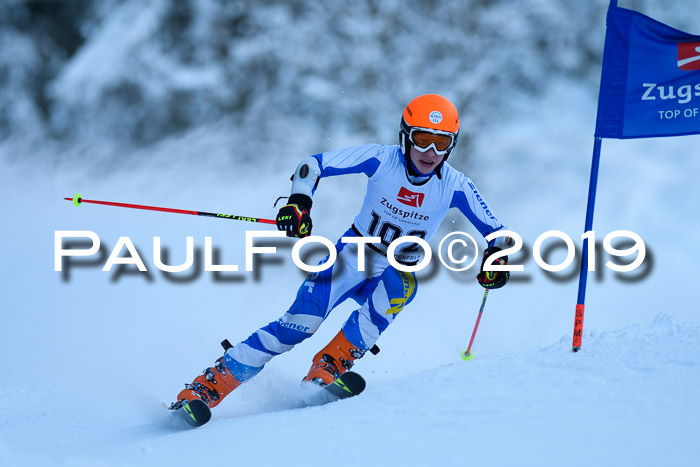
{"points": [[650, 85]]}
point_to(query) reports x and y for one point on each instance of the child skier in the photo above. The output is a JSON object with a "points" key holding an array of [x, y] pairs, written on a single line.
{"points": [[410, 190]]}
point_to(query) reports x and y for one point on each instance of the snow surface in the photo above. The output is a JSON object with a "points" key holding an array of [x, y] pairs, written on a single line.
{"points": [[88, 360]]}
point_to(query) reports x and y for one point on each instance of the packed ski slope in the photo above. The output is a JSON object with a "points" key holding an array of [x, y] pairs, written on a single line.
{"points": [[89, 357], [627, 399]]}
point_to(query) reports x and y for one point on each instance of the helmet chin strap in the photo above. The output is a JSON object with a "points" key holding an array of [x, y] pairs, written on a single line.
{"points": [[413, 170], [438, 168], [415, 175]]}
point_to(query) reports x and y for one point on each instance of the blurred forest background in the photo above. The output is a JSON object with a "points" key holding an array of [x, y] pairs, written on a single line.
{"points": [[115, 75]]}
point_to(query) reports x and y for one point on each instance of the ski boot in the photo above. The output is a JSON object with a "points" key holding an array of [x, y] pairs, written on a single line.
{"points": [[333, 360], [210, 387]]}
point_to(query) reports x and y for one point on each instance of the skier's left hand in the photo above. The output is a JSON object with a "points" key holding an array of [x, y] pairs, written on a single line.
{"points": [[493, 279]]}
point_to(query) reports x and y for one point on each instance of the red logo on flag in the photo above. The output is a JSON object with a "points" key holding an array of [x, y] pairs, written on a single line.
{"points": [[689, 56], [410, 198]]}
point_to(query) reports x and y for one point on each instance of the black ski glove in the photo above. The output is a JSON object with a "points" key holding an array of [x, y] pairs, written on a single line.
{"points": [[294, 217], [493, 279]]}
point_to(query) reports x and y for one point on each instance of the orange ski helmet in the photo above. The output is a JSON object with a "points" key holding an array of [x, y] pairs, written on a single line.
{"points": [[429, 121]]}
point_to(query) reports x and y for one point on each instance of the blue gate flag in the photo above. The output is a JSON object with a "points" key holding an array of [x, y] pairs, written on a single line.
{"points": [[650, 84]]}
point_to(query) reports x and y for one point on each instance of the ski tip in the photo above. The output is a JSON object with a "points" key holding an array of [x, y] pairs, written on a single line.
{"points": [[349, 384], [466, 356], [195, 413], [356, 380], [575, 348]]}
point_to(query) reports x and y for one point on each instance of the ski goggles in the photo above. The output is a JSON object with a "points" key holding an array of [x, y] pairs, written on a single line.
{"points": [[423, 139]]}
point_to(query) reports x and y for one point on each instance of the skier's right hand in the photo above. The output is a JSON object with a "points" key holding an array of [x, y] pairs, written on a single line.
{"points": [[294, 218]]}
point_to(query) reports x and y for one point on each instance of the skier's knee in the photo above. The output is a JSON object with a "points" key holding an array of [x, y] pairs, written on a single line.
{"points": [[401, 289]]}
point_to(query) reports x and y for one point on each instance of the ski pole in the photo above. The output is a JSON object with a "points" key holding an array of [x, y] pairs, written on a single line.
{"points": [[78, 200], [467, 355]]}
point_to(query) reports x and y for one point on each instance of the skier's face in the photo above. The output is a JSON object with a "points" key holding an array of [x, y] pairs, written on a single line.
{"points": [[426, 161]]}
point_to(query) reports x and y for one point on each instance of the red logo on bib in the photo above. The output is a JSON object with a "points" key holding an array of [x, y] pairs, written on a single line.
{"points": [[689, 56], [410, 198]]}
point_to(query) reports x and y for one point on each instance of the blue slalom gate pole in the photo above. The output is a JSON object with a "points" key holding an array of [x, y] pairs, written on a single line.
{"points": [[583, 276]]}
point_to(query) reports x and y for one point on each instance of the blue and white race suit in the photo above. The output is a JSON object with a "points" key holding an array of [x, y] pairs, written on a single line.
{"points": [[395, 205]]}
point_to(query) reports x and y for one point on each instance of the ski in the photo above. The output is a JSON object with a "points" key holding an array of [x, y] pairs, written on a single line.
{"points": [[349, 384], [195, 413]]}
